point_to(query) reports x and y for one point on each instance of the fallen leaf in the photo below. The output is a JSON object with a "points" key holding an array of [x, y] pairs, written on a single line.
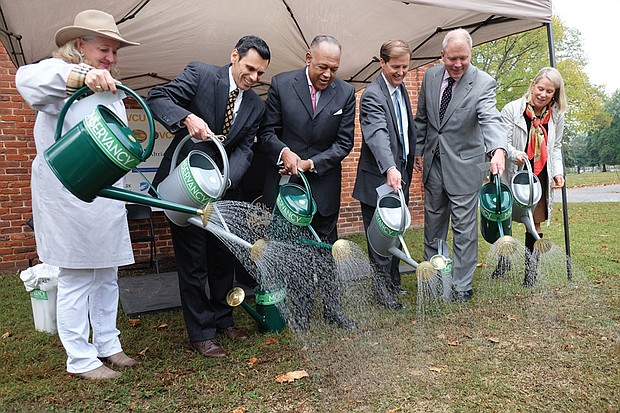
{"points": [[253, 360], [453, 342], [6, 335], [271, 340], [511, 317], [482, 265], [239, 409], [435, 369], [143, 352], [605, 247], [395, 410], [161, 326], [134, 322], [414, 322], [291, 376], [493, 340]]}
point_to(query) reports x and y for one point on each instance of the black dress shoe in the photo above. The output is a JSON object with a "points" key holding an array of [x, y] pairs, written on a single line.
{"points": [[234, 333], [462, 296], [400, 291], [341, 321], [208, 348], [392, 305]]}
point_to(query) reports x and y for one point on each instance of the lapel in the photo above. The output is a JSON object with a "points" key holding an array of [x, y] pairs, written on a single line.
{"points": [[435, 87], [461, 90], [327, 95], [300, 85], [221, 97], [390, 102]]}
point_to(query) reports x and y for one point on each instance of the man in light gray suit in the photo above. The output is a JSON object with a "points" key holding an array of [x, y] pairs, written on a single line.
{"points": [[388, 146], [457, 124]]}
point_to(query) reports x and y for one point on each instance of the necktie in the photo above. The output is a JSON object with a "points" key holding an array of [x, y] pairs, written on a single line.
{"points": [[230, 106], [313, 97], [399, 118], [445, 99]]}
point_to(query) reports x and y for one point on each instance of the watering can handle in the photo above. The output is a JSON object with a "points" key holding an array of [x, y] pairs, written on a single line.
{"points": [[530, 176], [308, 190], [498, 203], [403, 220], [146, 152], [220, 147]]}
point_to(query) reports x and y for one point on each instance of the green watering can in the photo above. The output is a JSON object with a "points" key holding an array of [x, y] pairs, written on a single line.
{"points": [[295, 203], [266, 314], [495, 210], [100, 150]]}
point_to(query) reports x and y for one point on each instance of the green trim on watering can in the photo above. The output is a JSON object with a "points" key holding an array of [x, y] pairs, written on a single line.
{"points": [[191, 185], [291, 206], [268, 297]]}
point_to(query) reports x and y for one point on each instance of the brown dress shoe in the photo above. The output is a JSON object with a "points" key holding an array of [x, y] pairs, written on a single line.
{"points": [[208, 348], [120, 359], [234, 333], [100, 373]]}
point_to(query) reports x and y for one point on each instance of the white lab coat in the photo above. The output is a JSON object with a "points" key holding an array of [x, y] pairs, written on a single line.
{"points": [[69, 233]]}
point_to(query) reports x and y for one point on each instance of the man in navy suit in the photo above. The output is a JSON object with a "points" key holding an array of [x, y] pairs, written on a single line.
{"points": [[388, 148], [308, 126], [195, 103]]}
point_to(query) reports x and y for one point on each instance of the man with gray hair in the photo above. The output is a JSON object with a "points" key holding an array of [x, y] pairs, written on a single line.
{"points": [[458, 125]]}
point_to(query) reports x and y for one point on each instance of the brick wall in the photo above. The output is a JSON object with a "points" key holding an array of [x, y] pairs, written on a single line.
{"points": [[17, 150]]}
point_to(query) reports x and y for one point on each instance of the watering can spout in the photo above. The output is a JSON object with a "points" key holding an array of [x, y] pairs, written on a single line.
{"points": [[266, 313]]}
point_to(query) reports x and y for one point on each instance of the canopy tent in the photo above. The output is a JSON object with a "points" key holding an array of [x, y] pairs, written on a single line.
{"points": [[174, 33]]}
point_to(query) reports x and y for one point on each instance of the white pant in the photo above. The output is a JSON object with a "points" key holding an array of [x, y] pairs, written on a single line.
{"points": [[87, 295]]}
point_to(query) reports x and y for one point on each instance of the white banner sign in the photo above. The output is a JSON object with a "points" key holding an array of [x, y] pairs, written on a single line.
{"points": [[135, 180]]}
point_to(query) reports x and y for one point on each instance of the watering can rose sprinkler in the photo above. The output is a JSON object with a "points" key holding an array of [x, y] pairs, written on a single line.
{"points": [[98, 151]]}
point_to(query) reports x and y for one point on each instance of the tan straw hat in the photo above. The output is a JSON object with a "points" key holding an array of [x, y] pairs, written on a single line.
{"points": [[93, 23]]}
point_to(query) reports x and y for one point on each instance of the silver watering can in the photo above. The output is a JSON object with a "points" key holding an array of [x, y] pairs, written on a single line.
{"points": [[388, 225], [526, 192], [196, 181]]}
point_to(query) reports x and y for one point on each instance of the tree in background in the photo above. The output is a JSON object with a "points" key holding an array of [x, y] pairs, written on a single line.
{"points": [[515, 60]]}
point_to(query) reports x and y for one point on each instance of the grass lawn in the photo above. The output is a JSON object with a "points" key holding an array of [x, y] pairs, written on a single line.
{"points": [[554, 348]]}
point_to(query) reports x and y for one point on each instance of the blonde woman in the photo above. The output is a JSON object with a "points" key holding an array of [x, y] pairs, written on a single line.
{"points": [[87, 241]]}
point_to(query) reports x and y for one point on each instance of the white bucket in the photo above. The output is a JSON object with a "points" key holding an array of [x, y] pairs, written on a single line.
{"points": [[44, 309]]}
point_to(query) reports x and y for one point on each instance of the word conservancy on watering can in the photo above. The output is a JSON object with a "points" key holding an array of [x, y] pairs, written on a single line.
{"points": [[108, 143]]}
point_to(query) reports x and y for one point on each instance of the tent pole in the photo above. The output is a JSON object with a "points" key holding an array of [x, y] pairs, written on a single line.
{"points": [[564, 202]]}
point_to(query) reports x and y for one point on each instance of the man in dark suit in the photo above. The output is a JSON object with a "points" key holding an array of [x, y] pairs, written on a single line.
{"points": [[458, 125], [308, 126], [388, 146], [195, 103]]}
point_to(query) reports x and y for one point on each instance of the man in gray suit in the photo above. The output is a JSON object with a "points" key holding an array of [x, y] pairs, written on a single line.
{"points": [[388, 147], [308, 126], [457, 124], [202, 100]]}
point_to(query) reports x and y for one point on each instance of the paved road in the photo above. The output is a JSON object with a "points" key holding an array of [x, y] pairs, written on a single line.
{"points": [[607, 193]]}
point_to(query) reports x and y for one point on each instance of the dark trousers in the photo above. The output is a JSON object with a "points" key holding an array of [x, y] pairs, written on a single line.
{"points": [[202, 258]]}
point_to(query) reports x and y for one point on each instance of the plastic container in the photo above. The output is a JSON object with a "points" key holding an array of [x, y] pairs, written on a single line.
{"points": [[41, 281]]}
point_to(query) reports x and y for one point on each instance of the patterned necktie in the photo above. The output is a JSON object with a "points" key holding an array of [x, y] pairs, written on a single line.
{"points": [[399, 118], [445, 99], [230, 107], [313, 97]]}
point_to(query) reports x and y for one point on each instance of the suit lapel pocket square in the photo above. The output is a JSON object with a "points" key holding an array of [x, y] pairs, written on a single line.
{"points": [[338, 113]]}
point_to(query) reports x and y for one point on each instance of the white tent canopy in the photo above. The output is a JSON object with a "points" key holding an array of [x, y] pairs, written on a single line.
{"points": [[173, 33]]}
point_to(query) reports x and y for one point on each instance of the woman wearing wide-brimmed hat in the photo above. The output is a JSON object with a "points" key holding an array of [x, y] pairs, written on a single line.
{"points": [[87, 241]]}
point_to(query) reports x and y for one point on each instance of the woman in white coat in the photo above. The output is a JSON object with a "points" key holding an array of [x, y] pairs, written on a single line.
{"points": [[535, 127], [87, 241]]}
